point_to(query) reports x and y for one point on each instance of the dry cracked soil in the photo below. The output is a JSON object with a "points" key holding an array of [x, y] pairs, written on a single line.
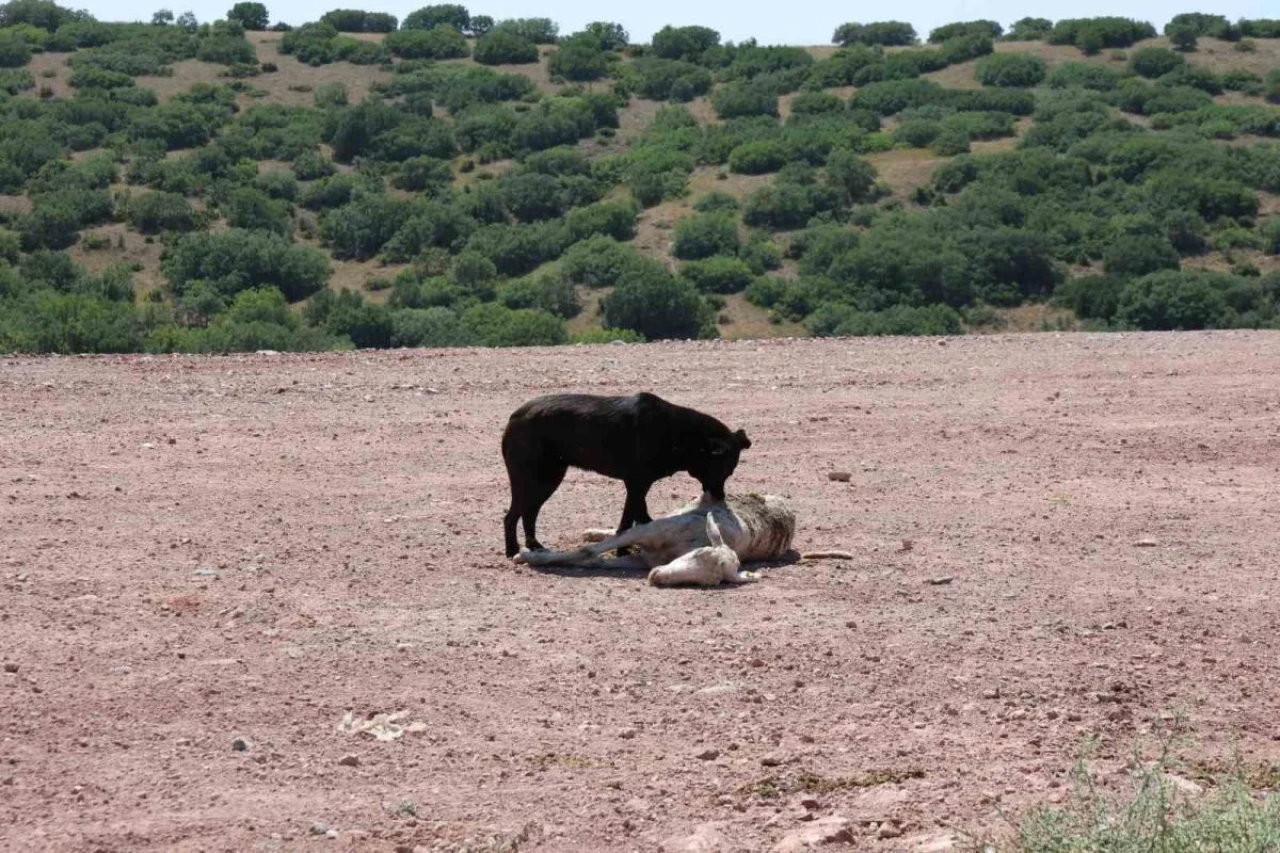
{"points": [[206, 563]]}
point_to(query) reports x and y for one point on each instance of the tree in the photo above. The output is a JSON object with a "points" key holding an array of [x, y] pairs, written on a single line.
{"points": [[719, 274], [442, 41], [500, 47], [162, 18], [651, 301], [429, 327], [496, 325], [430, 17], [1139, 254], [1173, 300], [579, 61], [1029, 29], [851, 173], [885, 33], [252, 16], [687, 43], [1153, 62], [1182, 37], [1010, 70], [704, 235], [608, 35], [14, 52], [737, 100]]}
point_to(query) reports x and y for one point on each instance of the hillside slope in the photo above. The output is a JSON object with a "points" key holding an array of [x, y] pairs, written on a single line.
{"points": [[176, 186]]}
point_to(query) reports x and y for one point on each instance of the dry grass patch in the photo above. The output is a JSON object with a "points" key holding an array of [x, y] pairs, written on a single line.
{"points": [[1219, 56], [590, 318], [57, 63], [1032, 317], [906, 169], [186, 73], [136, 251], [1224, 261], [751, 322], [353, 275], [14, 204]]}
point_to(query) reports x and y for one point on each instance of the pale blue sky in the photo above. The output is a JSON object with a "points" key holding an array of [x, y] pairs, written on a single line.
{"points": [[802, 22]]}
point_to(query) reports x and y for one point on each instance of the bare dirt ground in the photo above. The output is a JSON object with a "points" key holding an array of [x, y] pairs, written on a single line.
{"points": [[200, 550]]}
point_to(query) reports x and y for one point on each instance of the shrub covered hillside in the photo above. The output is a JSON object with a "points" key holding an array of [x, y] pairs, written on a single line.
{"points": [[452, 180]]}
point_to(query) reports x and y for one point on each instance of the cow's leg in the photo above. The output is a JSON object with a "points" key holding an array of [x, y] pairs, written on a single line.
{"points": [[589, 555], [537, 491], [635, 510], [514, 511]]}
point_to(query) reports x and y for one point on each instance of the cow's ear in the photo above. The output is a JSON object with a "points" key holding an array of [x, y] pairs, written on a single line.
{"points": [[743, 441], [718, 447]]}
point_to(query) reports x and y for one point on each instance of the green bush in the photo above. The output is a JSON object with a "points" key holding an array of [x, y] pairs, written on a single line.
{"points": [[737, 100], [597, 261], [436, 327], [670, 79], [1175, 300], [358, 21], [1139, 254], [616, 219], [495, 325], [312, 165], [716, 202], [439, 42], [14, 51], [154, 212], [236, 260], [704, 235], [423, 175], [757, 158], [989, 29], [1010, 70], [885, 33], [1087, 75], [689, 43], [443, 14], [650, 301], [816, 103], [250, 15], [950, 141], [719, 274], [550, 293], [917, 133], [1091, 35], [852, 174], [578, 61], [500, 47], [1153, 62], [607, 336], [1091, 297], [780, 207]]}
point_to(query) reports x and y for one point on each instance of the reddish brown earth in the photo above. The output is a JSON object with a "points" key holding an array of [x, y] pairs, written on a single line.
{"points": [[194, 550]]}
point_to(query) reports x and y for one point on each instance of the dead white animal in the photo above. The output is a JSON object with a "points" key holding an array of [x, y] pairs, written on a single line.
{"points": [[704, 543]]}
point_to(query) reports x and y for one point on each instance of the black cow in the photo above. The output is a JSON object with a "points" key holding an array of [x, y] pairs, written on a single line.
{"points": [[638, 439]]}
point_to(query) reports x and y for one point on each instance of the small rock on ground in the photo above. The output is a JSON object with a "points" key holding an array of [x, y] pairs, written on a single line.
{"points": [[825, 830], [706, 838], [349, 761]]}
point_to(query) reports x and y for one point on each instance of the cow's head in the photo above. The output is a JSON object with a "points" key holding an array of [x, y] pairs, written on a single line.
{"points": [[709, 565], [717, 462]]}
